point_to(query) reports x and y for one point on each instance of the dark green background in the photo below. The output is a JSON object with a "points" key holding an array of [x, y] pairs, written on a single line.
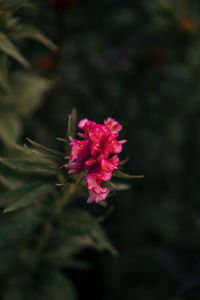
{"points": [[138, 62]]}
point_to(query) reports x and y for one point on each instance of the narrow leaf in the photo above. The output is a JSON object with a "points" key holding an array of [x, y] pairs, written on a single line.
{"points": [[71, 128], [78, 221], [27, 31], [9, 48], [9, 181], [11, 196], [27, 92], [118, 186], [100, 238], [4, 73], [28, 166], [121, 174], [11, 4], [45, 150], [29, 198], [10, 127], [124, 161], [17, 225]]}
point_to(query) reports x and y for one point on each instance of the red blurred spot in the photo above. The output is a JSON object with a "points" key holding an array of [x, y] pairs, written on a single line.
{"points": [[46, 62], [186, 24], [160, 56]]}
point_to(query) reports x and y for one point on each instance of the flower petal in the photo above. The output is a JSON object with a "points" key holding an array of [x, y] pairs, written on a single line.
{"points": [[86, 125], [93, 184], [79, 150], [107, 167], [96, 198], [82, 123], [112, 124], [95, 155]]}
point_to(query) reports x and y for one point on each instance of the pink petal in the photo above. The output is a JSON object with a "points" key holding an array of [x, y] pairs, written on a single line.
{"points": [[73, 171], [93, 154], [90, 163], [122, 142], [82, 123], [82, 135], [110, 164], [93, 184], [115, 147], [86, 125], [75, 167], [96, 198], [107, 167], [112, 124], [79, 150], [105, 175], [115, 161]]}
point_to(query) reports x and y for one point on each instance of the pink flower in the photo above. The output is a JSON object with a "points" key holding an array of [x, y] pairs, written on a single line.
{"points": [[96, 154]]}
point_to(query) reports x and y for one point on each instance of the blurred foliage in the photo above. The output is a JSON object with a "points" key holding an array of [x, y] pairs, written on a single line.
{"points": [[39, 221], [21, 93], [40, 234], [137, 61]]}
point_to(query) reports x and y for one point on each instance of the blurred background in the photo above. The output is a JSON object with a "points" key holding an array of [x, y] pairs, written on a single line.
{"points": [[138, 62]]}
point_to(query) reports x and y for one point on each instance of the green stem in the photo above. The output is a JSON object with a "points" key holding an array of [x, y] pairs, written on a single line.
{"points": [[48, 226]]}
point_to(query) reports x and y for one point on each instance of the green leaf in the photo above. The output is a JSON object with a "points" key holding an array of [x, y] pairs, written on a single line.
{"points": [[71, 128], [78, 221], [11, 4], [10, 181], [9, 48], [124, 161], [4, 73], [29, 166], [63, 258], [58, 287], [29, 154], [15, 150], [29, 198], [66, 244], [101, 240], [27, 92], [23, 189], [105, 215], [118, 186], [16, 225], [12, 195], [10, 126], [45, 150], [70, 243], [120, 174], [27, 31]]}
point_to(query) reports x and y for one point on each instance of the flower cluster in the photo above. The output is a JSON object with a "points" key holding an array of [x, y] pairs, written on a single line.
{"points": [[96, 154]]}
